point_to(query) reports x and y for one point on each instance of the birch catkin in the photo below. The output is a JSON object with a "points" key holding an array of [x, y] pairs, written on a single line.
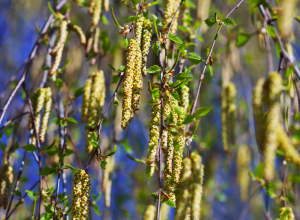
{"points": [[137, 82], [138, 29], [107, 182], [106, 5], [146, 44], [47, 110], [273, 89], [150, 213], [96, 12], [86, 100], [6, 180], [286, 212], [81, 195], [40, 94], [79, 32], [243, 161], [128, 83]]}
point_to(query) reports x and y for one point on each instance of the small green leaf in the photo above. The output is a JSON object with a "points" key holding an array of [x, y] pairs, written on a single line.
{"points": [[45, 68], [194, 58], [135, 159], [103, 164], [115, 79], [271, 31], [182, 76], [121, 69], [174, 38], [176, 84], [18, 193], [131, 19], [188, 119], [155, 25], [202, 111], [171, 203], [211, 70], [116, 101], [155, 94], [112, 67], [155, 47], [32, 194], [154, 195], [175, 95], [210, 22], [183, 28], [200, 38], [177, 110], [259, 171], [154, 69], [242, 39], [69, 166], [125, 42], [29, 148], [63, 122], [94, 143], [135, 2], [49, 208], [87, 127], [59, 83], [78, 92], [96, 209], [71, 120], [228, 22], [113, 152], [45, 171]]}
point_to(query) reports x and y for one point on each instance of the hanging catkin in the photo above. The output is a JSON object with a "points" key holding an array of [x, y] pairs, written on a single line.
{"points": [[79, 32], [150, 213], [183, 195], [86, 100], [138, 29], [258, 112], [81, 195], [137, 82], [106, 5], [128, 83], [167, 111], [243, 162], [287, 212], [40, 94], [47, 110], [146, 44], [170, 9], [96, 13], [107, 182], [273, 90], [6, 180], [196, 185]]}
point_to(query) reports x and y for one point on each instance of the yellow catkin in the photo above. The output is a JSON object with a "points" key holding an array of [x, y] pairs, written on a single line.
{"points": [[170, 9], [40, 93], [128, 84], [138, 29], [167, 110], [86, 100], [258, 112], [58, 49], [203, 13], [91, 6], [196, 185], [283, 144], [6, 180], [154, 133], [146, 44], [150, 213], [169, 167], [90, 39], [81, 195], [137, 82], [79, 32], [227, 115], [273, 89], [285, 18], [96, 12], [96, 40], [183, 195], [102, 93], [287, 212], [33, 103], [106, 5], [107, 182], [243, 162], [47, 110]]}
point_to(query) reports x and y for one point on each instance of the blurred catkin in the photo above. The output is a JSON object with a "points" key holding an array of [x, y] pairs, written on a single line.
{"points": [[137, 82], [107, 182], [128, 83], [243, 164], [79, 32], [96, 12], [286, 213], [287, 9], [273, 90], [86, 100], [258, 112], [150, 213], [106, 5], [47, 110], [146, 39], [96, 40], [203, 13], [6, 180], [81, 195], [138, 29], [40, 99]]}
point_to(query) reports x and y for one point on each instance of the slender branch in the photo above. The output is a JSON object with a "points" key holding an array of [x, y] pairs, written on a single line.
{"points": [[77, 156], [280, 63], [30, 58], [11, 120]]}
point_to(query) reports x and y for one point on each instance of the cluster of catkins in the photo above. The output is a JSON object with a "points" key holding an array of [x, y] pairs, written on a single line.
{"points": [[286, 213], [42, 97], [150, 213], [93, 102], [136, 65], [228, 106], [170, 9], [57, 51], [81, 195], [6, 180], [270, 134], [189, 190], [107, 181], [243, 164]]}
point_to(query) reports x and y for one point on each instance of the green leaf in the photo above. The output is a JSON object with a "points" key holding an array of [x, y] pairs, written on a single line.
{"points": [[71, 120], [95, 136], [45, 171], [194, 58], [177, 110], [18, 193], [182, 76], [259, 171], [116, 101], [200, 38], [113, 152], [103, 164], [105, 42], [69, 166], [155, 25], [210, 21], [211, 70], [94, 143], [251, 174], [183, 28], [174, 38], [115, 79], [29, 148], [78, 92], [135, 159], [154, 195], [52, 10], [63, 122], [135, 2], [95, 199], [242, 39], [188, 119], [202, 111], [155, 47], [175, 95], [104, 19], [32, 194], [131, 19], [176, 84], [66, 64], [49, 208], [96, 209], [271, 31], [176, 61], [112, 67], [154, 69], [59, 83], [47, 216], [45, 68], [121, 69], [155, 94], [125, 42], [171, 203], [228, 22], [87, 127]]}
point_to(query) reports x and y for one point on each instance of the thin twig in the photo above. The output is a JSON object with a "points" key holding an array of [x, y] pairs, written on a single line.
{"points": [[77, 156], [11, 120]]}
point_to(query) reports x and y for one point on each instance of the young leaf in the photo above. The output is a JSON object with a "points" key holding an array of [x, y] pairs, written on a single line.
{"points": [[188, 119], [131, 19], [171, 203], [154, 24], [112, 67], [71, 120], [155, 94], [211, 70], [228, 22], [29, 148], [242, 39], [259, 171], [176, 61], [194, 58], [154, 69], [175, 95], [174, 38], [78, 92], [103, 164], [45, 171], [115, 79], [96, 209], [177, 110], [32, 194], [125, 42], [94, 143], [113, 152], [69, 166], [59, 83], [121, 69], [210, 22], [155, 47], [202, 111], [182, 76], [135, 159]]}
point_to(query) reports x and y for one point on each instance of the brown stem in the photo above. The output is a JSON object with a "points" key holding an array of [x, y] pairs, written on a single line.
{"points": [[77, 156], [11, 120]]}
